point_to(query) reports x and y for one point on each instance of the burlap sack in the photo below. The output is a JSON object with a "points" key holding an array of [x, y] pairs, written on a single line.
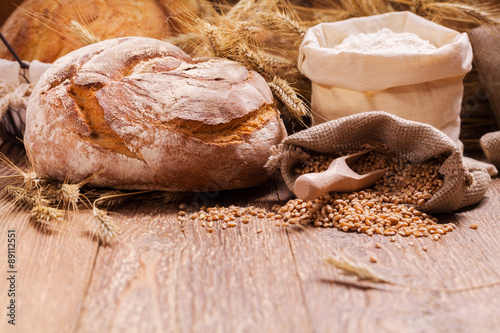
{"points": [[421, 87], [486, 45], [465, 183], [490, 143]]}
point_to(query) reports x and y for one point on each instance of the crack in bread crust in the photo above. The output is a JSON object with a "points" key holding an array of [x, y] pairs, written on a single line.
{"points": [[69, 72], [91, 112], [228, 133]]}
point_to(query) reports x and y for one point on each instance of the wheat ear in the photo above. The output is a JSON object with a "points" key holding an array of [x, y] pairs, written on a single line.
{"points": [[27, 197], [286, 94], [361, 271], [292, 23], [82, 33], [47, 214], [107, 228]]}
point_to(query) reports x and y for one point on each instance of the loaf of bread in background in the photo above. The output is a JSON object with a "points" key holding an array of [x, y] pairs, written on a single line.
{"points": [[139, 113], [42, 29]]}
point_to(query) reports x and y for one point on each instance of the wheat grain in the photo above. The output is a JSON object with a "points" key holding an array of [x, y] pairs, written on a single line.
{"points": [[389, 208]]}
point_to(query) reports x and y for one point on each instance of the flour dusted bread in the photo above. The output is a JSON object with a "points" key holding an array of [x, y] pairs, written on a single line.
{"points": [[138, 113]]}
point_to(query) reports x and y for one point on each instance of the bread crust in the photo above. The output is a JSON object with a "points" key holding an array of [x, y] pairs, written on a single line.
{"points": [[40, 30], [138, 113]]}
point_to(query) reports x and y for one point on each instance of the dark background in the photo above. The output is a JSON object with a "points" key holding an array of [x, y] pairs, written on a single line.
{"points": [[6, 7]]}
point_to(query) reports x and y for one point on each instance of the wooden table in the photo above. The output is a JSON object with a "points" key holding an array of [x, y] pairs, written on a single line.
{"points": [[158, 278]]}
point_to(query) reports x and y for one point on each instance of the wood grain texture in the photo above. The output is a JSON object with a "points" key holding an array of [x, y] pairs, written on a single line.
{"points": [[429, 294], [53, 271], [165, 276], [159, 278]]}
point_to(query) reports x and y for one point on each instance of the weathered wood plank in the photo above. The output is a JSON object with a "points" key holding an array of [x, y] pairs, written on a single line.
{"points": [[53, 270], [423, 299], [159, 278]]}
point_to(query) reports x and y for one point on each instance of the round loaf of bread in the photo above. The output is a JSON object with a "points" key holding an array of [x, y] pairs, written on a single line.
{"points": [[45, 30], [139, 113]]}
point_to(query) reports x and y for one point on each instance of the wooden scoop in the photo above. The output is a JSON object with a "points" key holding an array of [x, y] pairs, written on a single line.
{"points": [[339, 177]]}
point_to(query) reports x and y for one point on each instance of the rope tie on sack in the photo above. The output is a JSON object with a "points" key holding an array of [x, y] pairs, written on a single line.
{"points": [[283, 152]]}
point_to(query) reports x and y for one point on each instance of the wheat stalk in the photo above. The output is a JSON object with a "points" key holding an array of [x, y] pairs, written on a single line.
{"points": [[286, 94], [69, 194], [28, 197], [253, 60], [30, 177], [311, 16], [82, 33], [112, 198], [365, 273], [171, 197], [107, 228], [51, 23], [47, 214], [261, 62], [277, 61], [188, 42], [454, 14], [239, 9], [362, 271], [462, 13], [291, 22], [219, 39]]}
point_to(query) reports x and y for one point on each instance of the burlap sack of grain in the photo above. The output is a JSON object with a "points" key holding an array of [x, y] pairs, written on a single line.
{"points": [[486, 45], [421, 87], [465, 183]]}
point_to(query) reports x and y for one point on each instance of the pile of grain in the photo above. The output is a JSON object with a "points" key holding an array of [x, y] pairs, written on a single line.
{"points": [[226, 217], [388, 208]]}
